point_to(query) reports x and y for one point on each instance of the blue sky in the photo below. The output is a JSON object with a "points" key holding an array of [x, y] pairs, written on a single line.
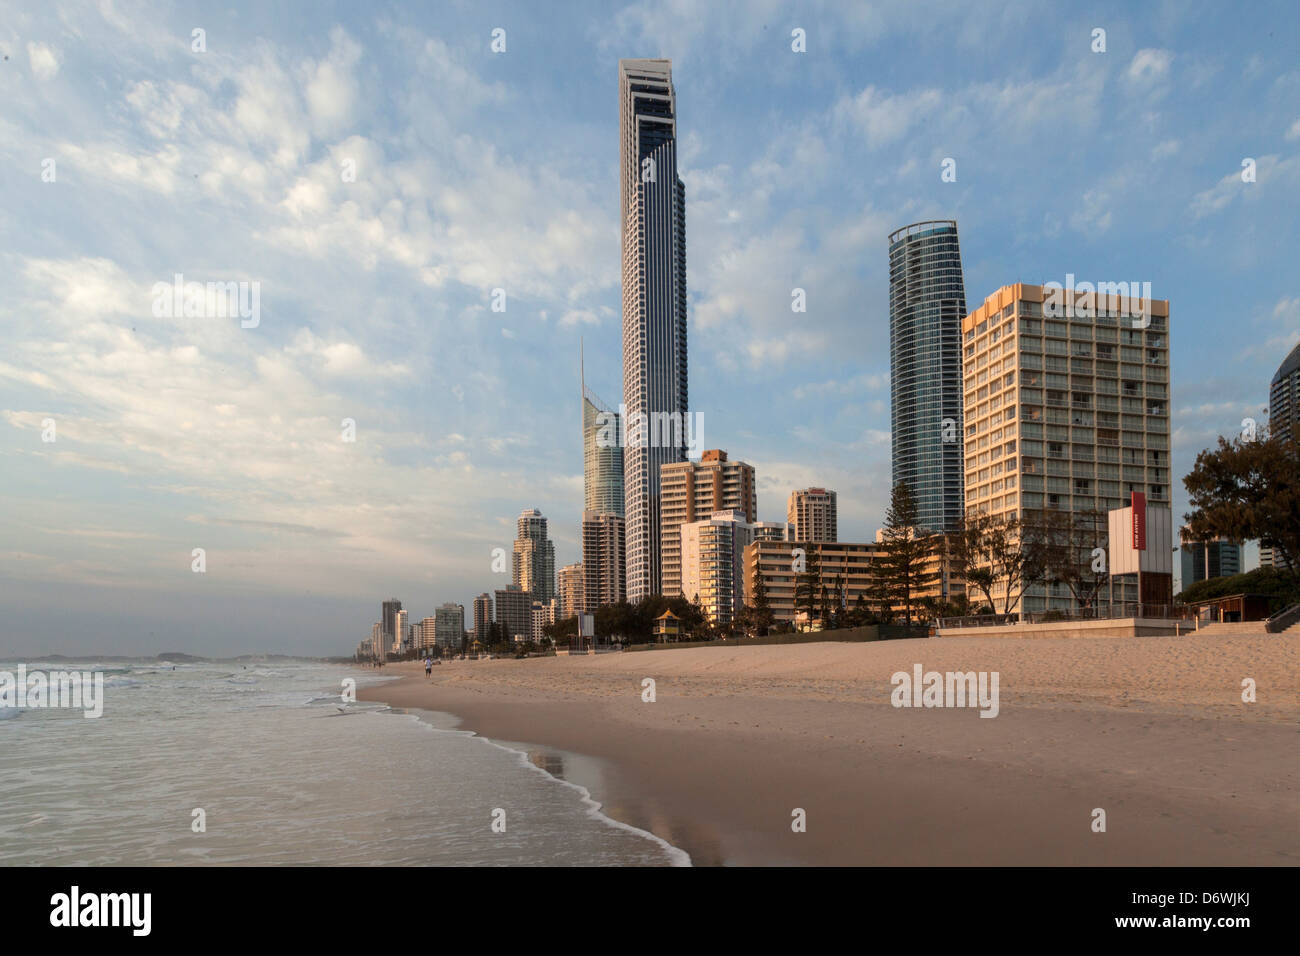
{"points": [[478, 170]]}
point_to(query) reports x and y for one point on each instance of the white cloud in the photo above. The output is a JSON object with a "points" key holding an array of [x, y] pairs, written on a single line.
{"points": [[44, 60], [882, 117], [1149, 65]]}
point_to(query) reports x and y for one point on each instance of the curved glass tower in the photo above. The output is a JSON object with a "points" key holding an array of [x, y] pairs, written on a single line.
{"points": [[602, 455], [927, 302]]}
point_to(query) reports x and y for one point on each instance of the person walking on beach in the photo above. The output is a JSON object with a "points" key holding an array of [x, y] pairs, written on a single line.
{"points": [[428, 666]]}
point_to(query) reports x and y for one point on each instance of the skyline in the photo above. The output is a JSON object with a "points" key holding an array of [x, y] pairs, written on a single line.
{"points": [[234, 446]]}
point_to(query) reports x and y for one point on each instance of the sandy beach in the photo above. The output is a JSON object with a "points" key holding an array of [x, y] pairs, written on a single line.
{"points": [[1151, 730]]}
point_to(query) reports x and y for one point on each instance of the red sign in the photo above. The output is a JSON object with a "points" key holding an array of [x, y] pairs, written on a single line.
{"points": [[1139, 521]]}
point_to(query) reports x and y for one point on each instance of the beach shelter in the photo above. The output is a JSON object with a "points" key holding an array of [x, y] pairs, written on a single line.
{"points": [[668, 627]]}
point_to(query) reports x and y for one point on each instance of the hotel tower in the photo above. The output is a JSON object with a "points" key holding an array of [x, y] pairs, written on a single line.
{"points": [[1067, 410], [653, 218]]}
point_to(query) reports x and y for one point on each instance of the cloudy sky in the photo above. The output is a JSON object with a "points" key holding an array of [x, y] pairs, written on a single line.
{"points": [[128, 156]]}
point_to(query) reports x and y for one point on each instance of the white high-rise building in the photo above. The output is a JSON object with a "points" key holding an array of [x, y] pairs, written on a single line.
{"points": [[713, 563]]}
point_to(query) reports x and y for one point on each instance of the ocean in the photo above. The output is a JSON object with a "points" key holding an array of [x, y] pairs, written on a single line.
{"points": [[284, 772]]}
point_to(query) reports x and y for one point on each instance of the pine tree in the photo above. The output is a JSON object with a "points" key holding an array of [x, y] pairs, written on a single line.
{"points": [[907, 546], [805, 592], [762, 611]]}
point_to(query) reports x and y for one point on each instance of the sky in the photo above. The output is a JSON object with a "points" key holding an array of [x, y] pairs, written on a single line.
{"points": [[378, 170]]}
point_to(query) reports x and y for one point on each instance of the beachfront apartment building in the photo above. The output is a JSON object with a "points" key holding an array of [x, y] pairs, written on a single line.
{"points": [[449, 623], [811, 514], [845, 569], [713, 564], [604, 560], [1066, 409], [514, 612], [570, 588], [482, 614], [692, 490], [543, 613]]}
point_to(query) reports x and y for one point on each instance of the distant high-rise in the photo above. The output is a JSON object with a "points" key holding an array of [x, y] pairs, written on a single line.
{"points": [[534, 556], [482, 615], [449, 625], [400, 633], [1284, 397], [652, 215], [602, 453], [428, 633], [927, 302], [388, 619], [811, 515], [604, 561], [514, 612], [691, 491], [1200, 560]]}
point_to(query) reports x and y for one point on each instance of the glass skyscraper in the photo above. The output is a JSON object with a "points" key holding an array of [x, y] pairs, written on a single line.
{"points": [[927, 302], [653, 219], [602, 454]]}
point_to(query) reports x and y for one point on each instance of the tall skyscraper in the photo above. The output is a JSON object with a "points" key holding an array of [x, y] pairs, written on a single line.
{"points": [[1065, 413], [927, 302], [602, 453], [690, 491], [652, 214], [811, 515], [534, 557], [604, 560]]}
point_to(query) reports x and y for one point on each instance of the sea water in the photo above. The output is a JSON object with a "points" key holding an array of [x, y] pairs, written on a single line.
{"points": [[237, 763]]}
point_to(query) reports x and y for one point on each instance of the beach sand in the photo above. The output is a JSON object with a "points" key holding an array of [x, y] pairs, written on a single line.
{"points": [[1151, 730]]}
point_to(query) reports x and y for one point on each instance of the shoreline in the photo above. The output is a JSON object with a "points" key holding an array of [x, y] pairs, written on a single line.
{"points": [[739, 738]]}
